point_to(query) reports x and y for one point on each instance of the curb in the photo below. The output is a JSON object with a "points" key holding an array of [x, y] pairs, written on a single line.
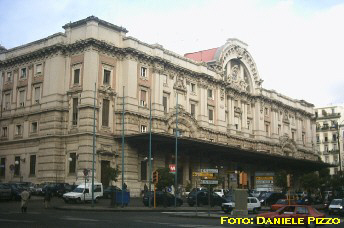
{"points": [[128, 210]]}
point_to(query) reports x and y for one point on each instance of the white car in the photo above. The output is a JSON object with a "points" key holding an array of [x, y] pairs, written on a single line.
{"points": [[220, 192], [84, 193], [253, 205], [336, 207]]}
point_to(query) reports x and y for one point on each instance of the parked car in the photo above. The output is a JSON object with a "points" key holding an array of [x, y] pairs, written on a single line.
{"points": [[336, 207], [162, 199], [56, 189], [253, 205], [110, 190], [64, 188], [5, 192], [37, 189], [203, 198], [281, 203], [83, 192], [15, 191], [220, 192], [269, 198], [290, 211]]}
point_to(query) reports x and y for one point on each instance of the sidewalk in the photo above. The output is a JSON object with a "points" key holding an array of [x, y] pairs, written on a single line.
{"points": [[135, 205]]}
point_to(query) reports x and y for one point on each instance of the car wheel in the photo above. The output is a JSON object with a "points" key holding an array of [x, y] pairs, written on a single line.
{"points": [[226, 211], [66, 200], [78, 200], [255, 210], [200, 204]]}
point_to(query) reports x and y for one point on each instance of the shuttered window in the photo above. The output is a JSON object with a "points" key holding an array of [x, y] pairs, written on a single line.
{"points": [[105, 114]]}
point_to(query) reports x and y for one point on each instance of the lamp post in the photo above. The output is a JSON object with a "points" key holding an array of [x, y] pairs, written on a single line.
{"points": [[150, 147], [176, 155]]}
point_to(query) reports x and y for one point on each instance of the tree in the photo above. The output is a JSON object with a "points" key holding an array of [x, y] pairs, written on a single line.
{"points": [[310, 182], [165, 179], [111, 174], [281, 180]]}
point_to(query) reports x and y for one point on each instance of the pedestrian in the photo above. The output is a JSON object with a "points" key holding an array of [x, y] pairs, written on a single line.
{"points": [[24, 200], [47, 198]]}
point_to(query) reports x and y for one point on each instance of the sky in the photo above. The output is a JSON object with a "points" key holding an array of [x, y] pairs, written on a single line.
{"points": [[297, 44]]}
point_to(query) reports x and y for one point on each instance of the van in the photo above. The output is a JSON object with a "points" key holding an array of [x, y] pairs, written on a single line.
{"points": [[84, 193]]}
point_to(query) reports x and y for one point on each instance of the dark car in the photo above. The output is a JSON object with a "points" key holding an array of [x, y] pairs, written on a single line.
{"points": [[64, 188], [5, 192], [108, 191], [55, 188], [15, 191], [269, 198], [203, 198], [165, 199]]}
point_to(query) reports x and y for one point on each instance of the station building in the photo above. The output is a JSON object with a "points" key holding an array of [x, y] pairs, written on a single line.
{"points": [[226, 119]]}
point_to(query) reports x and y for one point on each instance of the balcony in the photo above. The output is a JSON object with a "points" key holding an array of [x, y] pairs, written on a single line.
{"points": [[334, 151], [328, 116]]}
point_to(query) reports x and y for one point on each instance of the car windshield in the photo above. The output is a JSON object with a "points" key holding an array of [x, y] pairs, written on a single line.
{"points": [[78, 190], [336, 202], [282, 201], [217, 190]]}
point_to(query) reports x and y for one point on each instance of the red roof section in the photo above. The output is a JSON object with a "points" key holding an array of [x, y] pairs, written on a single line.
{"points": [[202, 56]]}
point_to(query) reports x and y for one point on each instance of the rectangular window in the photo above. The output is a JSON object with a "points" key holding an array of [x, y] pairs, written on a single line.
{"points": [[210, 93], [143, 170], [21, 98], [2, 167], [211, 115], [303, 138], [193, 87], [75, 111], [37, 94], [32, 164], [16, 165], [38, 68], [9, 76], [143, 98], [326, 148], [4, 132], [293, 135], [193, 110], [34, 127], [76, 76], [334, 137], [19, 129], [279, 129], [143, 128], [266, 111], [318, 138], [164, 103], [164, 79], [23, 73], [7, 105], [143, 72], [107, 77], [267, 129], [72, 163], [105, 112]]}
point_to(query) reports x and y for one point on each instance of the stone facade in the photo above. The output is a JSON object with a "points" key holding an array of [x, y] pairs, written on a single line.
{"points": [[48, 93]]}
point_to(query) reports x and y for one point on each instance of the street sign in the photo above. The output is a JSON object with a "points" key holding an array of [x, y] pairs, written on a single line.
{"points": [[195, 174], [169, 189], [210, 178], [199, 174], [85, 172], [209, 182], [209, 171], [172, 168]]}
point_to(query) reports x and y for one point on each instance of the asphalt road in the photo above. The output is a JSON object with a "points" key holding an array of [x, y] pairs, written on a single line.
{"points": [[37, 216]]}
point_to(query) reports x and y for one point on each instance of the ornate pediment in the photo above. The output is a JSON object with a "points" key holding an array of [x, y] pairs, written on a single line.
{"points": [[180, 84], [107, 90]]}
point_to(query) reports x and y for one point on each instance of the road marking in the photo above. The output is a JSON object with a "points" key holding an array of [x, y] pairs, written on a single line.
{"points": [[9, 220], [79, 219]]}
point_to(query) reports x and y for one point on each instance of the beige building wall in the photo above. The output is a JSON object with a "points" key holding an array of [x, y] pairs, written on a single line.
{"points": [[262, 120]]}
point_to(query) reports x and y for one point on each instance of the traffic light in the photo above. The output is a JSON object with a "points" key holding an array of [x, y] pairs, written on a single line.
{"points": [[155, 177]]}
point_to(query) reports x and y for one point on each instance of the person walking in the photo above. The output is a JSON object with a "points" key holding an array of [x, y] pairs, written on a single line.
{"points": [[25, 195], [47, 198]]}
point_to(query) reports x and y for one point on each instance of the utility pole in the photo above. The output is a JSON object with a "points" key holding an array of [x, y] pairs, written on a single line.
{"points": [[94, 141], [123, 148], [150, 148]]}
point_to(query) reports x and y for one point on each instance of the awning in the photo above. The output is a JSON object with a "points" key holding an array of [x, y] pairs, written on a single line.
{"points": [[234, 154]]}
